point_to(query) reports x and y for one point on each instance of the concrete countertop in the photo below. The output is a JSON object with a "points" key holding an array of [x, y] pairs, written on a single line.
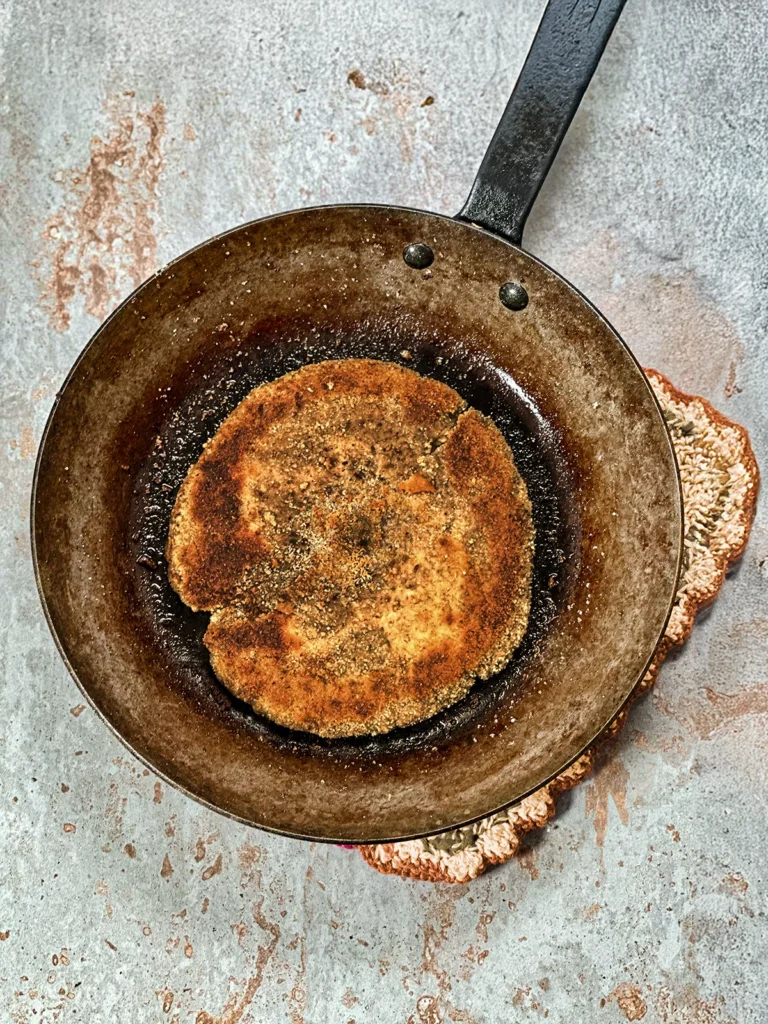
{"points": [[130, 132]]}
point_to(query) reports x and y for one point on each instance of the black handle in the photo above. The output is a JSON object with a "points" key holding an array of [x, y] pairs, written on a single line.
{"points": [[565, 52]]}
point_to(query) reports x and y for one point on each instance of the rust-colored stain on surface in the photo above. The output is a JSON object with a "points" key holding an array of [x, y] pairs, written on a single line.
{"points": [[608, 783], [527, 860], [357, 78], [102, 238], [25, 444], [481, 928], [212, 869], [438, 1010], [689, 1008], [673, 747], [706, 717], [238, 1003], [297, 998], [735, 884], [438, 924], [427, 1012], [523, 997], [349, 999], [396, 99], [167, 869], [102, 889], [442, 963], [629, 1000], [114, 812], [201, 844], [752, 629], [731, 387], [675, 833], [248, 854]]}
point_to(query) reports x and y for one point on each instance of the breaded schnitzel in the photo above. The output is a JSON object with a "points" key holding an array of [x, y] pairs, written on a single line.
{"points": [[363, 542]]}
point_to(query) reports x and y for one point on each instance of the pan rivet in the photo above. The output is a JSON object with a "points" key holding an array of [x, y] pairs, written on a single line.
{"points": [[513, 295], [418, 255]]}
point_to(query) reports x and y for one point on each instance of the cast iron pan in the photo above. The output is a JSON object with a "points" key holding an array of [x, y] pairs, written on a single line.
{"points": [[174, 359]]}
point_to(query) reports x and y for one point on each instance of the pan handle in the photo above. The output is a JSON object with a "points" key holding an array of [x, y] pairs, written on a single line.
{"points": [[565, 52]]}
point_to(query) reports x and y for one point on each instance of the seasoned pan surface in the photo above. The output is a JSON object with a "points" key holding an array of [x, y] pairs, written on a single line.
{"points": [[170, 364]]}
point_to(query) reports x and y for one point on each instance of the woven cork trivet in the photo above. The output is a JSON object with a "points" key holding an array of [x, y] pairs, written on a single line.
{"points": [[720, 481]]}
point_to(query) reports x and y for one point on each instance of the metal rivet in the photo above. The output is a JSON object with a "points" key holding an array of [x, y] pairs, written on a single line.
{"points": [[418, 255], [513, 295]]}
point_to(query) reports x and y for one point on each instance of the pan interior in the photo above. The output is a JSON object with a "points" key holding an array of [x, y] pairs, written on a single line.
{"points": [[167, 367], [221, 379]]}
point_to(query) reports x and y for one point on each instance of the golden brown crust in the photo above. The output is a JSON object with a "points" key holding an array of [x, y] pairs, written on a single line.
{"points": [[363, 542]]}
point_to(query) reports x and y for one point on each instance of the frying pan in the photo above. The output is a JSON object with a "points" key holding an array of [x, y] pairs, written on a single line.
{"points": [[457, 299]]}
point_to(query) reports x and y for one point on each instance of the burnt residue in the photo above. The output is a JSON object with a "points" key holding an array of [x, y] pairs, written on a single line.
{"points": [[214, 387]]}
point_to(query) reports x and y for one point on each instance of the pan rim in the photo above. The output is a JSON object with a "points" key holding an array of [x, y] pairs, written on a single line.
{"points": [[70, 376]]}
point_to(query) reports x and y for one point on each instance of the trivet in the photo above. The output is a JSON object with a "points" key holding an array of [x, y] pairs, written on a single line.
{"points": [[720, 481]]}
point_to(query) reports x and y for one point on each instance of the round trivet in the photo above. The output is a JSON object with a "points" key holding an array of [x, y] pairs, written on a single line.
{"points": [[720, 482]]}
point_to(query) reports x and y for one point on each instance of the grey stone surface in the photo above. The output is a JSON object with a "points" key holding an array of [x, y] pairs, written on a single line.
{"points": [[131, 131]]}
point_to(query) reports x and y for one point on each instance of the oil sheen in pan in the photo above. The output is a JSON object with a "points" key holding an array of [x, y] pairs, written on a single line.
{"points": [[212, 392]]}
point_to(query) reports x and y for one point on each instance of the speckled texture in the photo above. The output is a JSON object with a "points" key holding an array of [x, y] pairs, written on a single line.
{"points": [[364, 544], [647, 900]]}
